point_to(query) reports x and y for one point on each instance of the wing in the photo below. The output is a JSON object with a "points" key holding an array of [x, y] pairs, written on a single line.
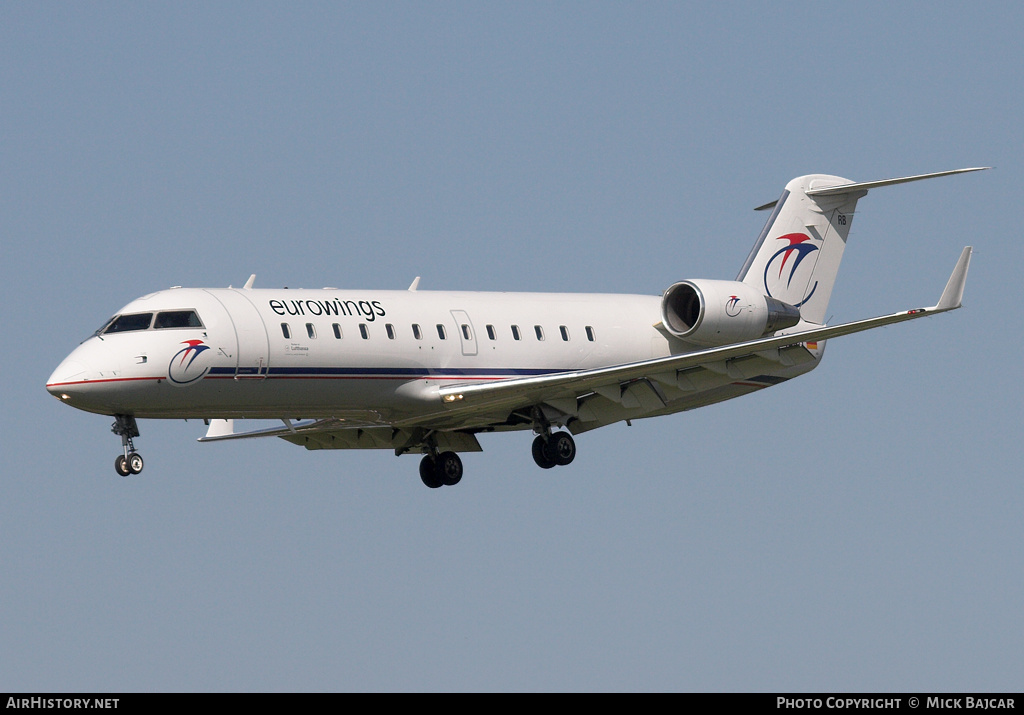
{"points": [[646, 383]]}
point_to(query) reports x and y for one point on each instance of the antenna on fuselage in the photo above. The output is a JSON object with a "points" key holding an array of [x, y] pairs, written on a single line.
{"points": [[415, 283], [248, 283]]}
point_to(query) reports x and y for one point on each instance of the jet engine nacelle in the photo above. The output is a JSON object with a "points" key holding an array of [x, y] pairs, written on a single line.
{"points": [[711, 313]]}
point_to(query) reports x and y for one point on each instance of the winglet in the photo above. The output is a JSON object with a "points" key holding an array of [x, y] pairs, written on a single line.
{"points": [[954, 290]]}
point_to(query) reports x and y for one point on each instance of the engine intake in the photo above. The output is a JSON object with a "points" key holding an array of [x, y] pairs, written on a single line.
{"points": [[711, 313]]}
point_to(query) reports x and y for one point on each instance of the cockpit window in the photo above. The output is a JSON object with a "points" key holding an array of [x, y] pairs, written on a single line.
{"points": [[132, 321], [177, 319]]}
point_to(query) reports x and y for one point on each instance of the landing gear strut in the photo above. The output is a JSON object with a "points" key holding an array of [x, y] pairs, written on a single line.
{"points": [[131, 461]]}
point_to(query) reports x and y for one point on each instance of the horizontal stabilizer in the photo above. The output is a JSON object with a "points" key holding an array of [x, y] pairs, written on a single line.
{"points": [[860, 186], [865, 185]]}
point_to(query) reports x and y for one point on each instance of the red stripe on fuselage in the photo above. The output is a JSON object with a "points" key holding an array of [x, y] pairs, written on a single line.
{"points": [[111, 379]]}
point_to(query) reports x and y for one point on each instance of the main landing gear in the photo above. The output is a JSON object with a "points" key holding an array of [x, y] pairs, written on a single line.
{"points": [[555, 449], [444, 469], [131, 461], [441, 470], [550, 449]]}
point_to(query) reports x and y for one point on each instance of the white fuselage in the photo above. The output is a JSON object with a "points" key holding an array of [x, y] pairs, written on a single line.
{"points": [[275, 352], [372, 356]]}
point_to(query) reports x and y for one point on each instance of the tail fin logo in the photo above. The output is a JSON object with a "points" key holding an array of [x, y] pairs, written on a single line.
{"points": [[180, 370], [780, 260]]}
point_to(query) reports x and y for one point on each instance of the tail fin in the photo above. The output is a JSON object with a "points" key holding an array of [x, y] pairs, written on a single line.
{"points": [[796, 257]]}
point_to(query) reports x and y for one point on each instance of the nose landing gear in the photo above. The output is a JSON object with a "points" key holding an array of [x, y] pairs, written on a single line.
{"points": [[131, 461]]}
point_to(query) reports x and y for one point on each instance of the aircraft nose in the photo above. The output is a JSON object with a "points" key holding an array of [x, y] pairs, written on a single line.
{"points": [[61, 384], [88, 379]]}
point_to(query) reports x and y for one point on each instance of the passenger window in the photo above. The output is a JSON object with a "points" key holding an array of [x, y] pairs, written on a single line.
{"points": [[177, 319], [126, 323], [416, 332], [539, 331], [337, 331], [515, 333], [490, 332], [286, 331], [565, 332], [590, 334], [364, 331], [465, 332], [310, 331], [441, 332], [390, 331]]}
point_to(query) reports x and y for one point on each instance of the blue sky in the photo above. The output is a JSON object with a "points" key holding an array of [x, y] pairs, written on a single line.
{"points": [[857, 529]]}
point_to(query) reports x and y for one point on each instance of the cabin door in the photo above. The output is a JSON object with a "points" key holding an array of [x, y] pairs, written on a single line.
{"points": [[253, 354]]}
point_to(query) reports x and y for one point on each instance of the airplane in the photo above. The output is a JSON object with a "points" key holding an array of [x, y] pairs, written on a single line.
{"points": [[426, 372]]}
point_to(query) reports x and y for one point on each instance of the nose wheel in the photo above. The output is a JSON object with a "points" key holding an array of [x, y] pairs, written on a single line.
{"points": [[130, 464], [131, 461]]}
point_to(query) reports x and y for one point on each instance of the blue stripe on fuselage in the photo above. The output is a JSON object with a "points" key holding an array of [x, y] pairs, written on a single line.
{"points": [[406, 372]]}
